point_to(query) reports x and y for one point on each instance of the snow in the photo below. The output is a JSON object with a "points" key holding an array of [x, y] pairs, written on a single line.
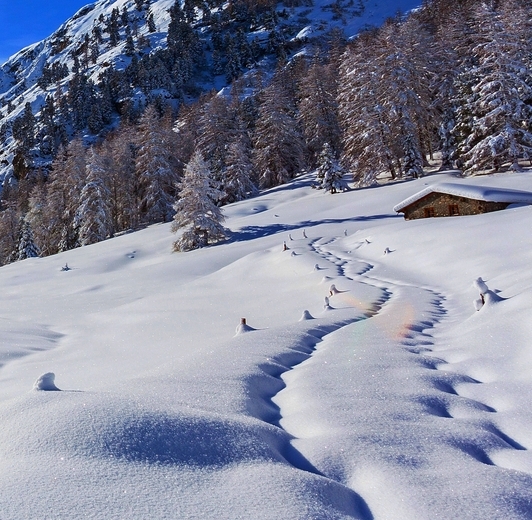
{"points": [[401, 400], [476, 192], [46, 382]]}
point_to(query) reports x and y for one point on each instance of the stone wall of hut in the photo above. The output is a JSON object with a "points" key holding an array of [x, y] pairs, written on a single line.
{"points": [[445, 205]]}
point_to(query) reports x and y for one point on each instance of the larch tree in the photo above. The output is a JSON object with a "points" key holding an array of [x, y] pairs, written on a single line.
{"points": [[93, 215], [122, 179], [156, 174], [196, 211], [9, 234], [279, 148], [318, 109], [65, 182], [237, 178], [501, 95], [218, 126], [36, 217]]}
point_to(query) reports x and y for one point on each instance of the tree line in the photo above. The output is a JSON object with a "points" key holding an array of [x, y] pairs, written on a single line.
{"points": [[452, 78]]}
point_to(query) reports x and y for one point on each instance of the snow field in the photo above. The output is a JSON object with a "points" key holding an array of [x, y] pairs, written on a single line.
{"points": [[399, 401]]}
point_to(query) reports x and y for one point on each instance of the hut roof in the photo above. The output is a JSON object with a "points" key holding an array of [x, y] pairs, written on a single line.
{"points": [[484, 193]]}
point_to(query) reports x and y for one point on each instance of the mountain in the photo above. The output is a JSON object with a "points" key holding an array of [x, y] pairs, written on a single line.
{"points": [[112, 57], [397, 399]]}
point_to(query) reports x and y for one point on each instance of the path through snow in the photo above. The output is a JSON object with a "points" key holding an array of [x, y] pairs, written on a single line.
{"points": [[380, 442]]}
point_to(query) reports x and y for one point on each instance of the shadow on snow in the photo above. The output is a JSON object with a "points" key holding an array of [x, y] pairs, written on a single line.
{"points": [[253, 232]]}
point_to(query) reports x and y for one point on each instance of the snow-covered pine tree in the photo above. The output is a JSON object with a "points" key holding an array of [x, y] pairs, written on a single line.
{"points": [[449, 81], [279, 148], [330, 174], [369, 146], [93, 216], [65, 183], [196, 209], [501, 106], [408, 74], [26, 245], [385, 103], [155, 171], [318, 109], [237, 182]]}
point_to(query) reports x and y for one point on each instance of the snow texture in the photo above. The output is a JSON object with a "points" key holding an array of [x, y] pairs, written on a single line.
{"points": [[400, 401]]}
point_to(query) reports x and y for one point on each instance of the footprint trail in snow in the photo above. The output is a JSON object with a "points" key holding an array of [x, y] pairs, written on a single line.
{"points": [[400, 424]]}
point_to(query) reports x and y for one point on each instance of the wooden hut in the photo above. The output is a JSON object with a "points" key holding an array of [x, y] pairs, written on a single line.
{"points": [[450, 199]]}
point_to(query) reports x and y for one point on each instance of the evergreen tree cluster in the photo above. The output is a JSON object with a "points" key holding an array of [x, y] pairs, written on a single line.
{"points": [[453, 78], [200, 32]]}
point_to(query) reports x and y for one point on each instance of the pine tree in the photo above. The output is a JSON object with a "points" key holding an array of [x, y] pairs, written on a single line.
{"points": [[330, 174], [151, 23], [93, 215], [369, 144], [318, 109], [196, 209], [156, 174], [237, 182], [26, 245], [129, 48], [449, 81], [279, 148], [24, 129], [385, 103], [113, 27], [501, 104]]}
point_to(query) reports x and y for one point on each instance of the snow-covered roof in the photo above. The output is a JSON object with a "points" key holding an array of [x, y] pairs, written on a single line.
{"points": [[485, 193]]}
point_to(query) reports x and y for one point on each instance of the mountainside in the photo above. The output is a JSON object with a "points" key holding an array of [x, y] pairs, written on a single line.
{"points": [[114, 56]]}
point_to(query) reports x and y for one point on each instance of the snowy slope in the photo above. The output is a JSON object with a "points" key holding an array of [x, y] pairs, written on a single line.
{"points": [[397, 400]]}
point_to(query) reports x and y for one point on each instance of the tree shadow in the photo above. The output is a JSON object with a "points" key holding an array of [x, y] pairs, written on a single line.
{"points": [[253, 232]]}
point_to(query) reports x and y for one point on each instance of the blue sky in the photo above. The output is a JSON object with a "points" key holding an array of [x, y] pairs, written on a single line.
{"points": [[23, 22]]}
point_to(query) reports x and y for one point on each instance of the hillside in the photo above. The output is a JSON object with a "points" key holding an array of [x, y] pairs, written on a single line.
{"points": [[116, 53], [396, 400]]}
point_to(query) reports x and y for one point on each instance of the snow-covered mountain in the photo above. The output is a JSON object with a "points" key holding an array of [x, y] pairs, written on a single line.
{"points": [[395, 398], [103, 39]]}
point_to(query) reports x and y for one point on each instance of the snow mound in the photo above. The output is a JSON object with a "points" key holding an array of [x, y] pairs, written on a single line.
{"points": [[487, 296], [192, 440], [480, 284], [306, 316], [243, 327], [46, 382]]}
